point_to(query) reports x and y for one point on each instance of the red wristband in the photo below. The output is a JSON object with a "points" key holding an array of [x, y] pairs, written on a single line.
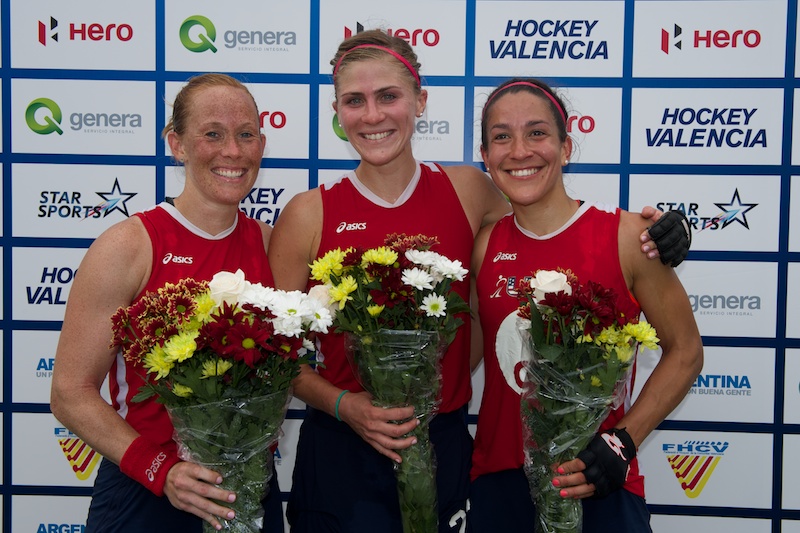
{"points": [[148, 464]]}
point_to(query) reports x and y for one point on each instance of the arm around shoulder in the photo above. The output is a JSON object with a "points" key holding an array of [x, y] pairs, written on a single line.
{"points": [[295, 240]]}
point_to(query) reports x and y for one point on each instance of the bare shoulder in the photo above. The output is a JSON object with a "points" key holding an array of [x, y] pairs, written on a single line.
{"points": [[482, 200], [266, 233]]}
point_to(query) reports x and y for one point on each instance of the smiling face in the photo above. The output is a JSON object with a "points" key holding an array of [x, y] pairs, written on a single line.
{"points": [[377, 102], [524, 153], [221, 145]]}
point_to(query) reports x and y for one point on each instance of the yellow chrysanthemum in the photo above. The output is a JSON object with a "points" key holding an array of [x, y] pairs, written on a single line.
{"points": [[341, 292], [382, 255], [329, 264], [644, 333], [624, 353], [180, 347], [205, 304], [375, 310], [596, 381], [182, 390], [155, 362], [216, 367]]}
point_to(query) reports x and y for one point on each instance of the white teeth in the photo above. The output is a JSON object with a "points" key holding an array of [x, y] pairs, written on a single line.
{"points": [[376, 136], [229, 173], [523, 172]]}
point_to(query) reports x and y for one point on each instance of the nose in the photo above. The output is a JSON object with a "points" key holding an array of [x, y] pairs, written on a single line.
{"points": [[230, 146], [372, 113], [519, 148]]}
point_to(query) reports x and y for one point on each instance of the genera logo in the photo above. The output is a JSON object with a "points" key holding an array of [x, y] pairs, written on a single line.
{"points": [[415, 37], [693, 462], [198, 34], [44, 116], [725, 304], [710, 39], [82, 458], [85, 31]]}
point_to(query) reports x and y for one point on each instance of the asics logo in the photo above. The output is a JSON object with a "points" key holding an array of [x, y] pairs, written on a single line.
{"points": [[352, 226], [504, 256], [170, 258]]}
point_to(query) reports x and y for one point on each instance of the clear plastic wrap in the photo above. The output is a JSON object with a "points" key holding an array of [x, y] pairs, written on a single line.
{"points": [[401, 368], [233, 437], [562, 409]]}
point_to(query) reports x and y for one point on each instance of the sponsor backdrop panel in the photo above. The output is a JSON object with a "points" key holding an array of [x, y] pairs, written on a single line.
{"points": [[710, 39], [77, 201], [794, 203], [791, 386], [791, 465], [700, 524], [48, 514], [697, 468], [675, 104], [61, 459], [735, 385], [727, 213], [793, 301], [83, 35], [706, 126], [259, 36], [723, 305]]}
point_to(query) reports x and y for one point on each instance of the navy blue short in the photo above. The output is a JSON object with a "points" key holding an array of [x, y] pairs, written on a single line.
{"points": [[120, 504], [501, 501], [341, 484]]}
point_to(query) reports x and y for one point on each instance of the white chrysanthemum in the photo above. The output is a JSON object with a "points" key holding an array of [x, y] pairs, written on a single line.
{"points": [[257, 295], [422, 257], [449, 269], [417, 278], [319, 315], [434, 305], [291, 310]]}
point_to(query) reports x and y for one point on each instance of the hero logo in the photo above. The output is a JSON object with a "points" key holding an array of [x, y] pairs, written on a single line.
{"points": [[711, 39], [583, 123], [428, 37], [180, 259], [83, 32], [504, 256], [276, 119], [352, 226]]}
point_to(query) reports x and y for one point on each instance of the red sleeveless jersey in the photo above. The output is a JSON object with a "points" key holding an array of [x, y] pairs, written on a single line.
{"points": [[588, 245], [353, 216], [180, 250]]}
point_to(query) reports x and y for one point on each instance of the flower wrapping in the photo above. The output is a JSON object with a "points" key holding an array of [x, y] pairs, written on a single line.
{"points": [[398, 309], [581, 353], [221, 356], [401, 368]]}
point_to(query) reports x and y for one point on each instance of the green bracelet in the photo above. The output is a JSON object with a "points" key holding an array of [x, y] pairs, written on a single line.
{"points": [[339, 399]]}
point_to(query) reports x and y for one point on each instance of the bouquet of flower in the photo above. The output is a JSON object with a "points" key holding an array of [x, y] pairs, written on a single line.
{"points": [[398, 311], [221, 356], [582, 353]]}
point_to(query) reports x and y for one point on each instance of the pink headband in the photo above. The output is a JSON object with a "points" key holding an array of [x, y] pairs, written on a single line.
{"points": [[528, 84], [397, 56]]}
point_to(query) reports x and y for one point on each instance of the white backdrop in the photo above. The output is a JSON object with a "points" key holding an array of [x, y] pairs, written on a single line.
{"points": [[684, 105]]}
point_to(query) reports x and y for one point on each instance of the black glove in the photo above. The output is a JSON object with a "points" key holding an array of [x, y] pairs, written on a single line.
{"points": [[673, 236], [608, 458]]}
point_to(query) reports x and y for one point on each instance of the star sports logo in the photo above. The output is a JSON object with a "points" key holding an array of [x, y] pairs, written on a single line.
{"points": [[693, 462], [43, 28], [733, 211], [667, 41], [81, 457], [114, 200]]}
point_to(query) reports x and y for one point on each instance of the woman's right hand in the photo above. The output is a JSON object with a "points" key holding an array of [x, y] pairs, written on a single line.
{"points": [[376, 425], [191, 488]]}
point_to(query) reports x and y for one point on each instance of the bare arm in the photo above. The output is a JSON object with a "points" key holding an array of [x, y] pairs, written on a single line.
{"points": [[115, 269], [478, 253], [293, 247], [482, 201], [666, 307]]}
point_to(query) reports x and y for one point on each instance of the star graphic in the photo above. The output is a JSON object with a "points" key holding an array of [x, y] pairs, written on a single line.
{"points": [[735, 211], [114, 200]]}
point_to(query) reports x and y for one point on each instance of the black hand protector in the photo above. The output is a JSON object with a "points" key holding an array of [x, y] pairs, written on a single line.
{"points": [[607, 460], [673, 236]]}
